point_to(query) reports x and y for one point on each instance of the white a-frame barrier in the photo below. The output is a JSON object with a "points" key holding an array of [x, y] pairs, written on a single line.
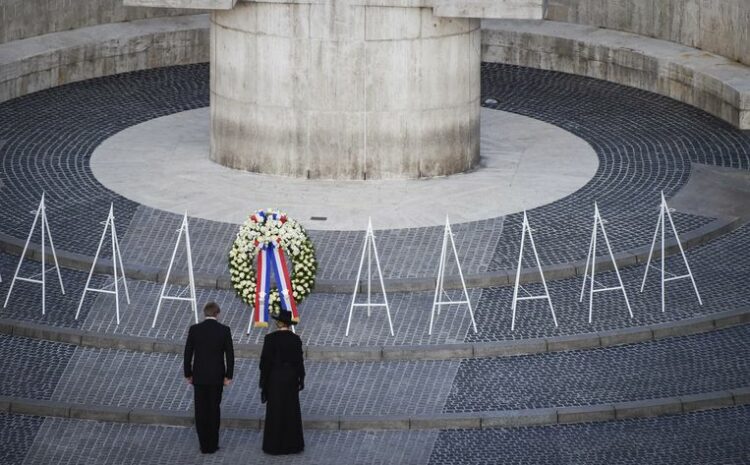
{"points": [[664, 211], [527, 229], [116, 263], [591, 265], [41, 213], [191, 283], [440, 293], [368, 250]]}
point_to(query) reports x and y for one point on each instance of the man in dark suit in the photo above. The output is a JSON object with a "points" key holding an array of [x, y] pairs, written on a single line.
{"points": [[208, 343]]}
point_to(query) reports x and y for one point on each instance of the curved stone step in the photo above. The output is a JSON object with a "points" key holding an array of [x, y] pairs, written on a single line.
{"points": [[567, 386], [657, 160], [58, 58], [719, 268], [711, 82], [713, 436], [690, 239], [497, 419], [391, 352]]}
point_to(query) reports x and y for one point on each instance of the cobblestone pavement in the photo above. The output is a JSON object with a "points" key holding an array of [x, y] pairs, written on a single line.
{"points": [[720, 266], [714, 361], [154, 381], [721, 270], [645, 144], [666, 368], [25, 303], [69, 442], [17, 433], [32, 368], [716, 437]]}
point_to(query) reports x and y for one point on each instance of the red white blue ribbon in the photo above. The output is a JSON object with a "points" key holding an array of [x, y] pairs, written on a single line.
{"points": [[262, 290], [271, 259]]}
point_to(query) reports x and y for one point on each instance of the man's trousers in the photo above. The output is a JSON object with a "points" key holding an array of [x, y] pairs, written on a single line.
{"points": [[208, 415]]}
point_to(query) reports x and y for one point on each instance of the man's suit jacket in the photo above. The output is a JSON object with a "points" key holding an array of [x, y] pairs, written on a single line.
{"points": [[209, 342]]}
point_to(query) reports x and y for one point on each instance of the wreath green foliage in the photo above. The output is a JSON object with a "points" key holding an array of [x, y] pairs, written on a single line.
{"points": [[272, 226]]}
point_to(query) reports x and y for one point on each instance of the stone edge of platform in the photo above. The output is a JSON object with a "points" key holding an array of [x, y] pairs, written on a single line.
{"points": [[690, 239], [457, 351], [479, 420]]}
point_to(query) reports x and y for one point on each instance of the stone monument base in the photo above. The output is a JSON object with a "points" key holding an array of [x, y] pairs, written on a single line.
{"points": [[344, 90]]}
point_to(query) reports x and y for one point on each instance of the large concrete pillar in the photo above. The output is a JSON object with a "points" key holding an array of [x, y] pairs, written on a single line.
{"points": [[344, 89]]}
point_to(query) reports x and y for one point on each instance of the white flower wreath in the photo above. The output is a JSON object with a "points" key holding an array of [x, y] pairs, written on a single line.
{"points": [[272, 226]]}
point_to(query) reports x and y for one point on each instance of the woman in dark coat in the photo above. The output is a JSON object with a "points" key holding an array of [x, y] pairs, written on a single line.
{"points": [[282, 376]]}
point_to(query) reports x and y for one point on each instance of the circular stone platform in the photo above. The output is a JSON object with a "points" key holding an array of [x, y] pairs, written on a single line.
{"points": [[164, 163]]}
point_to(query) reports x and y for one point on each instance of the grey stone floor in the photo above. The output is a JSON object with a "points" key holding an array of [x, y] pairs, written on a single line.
{"points": [[645, 144], [720, 266], [515, 172], [714, 361], [17, 434], [717, 437]]}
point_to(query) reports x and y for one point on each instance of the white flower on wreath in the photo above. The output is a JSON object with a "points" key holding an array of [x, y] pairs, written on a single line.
{"points": [[292, 238]]}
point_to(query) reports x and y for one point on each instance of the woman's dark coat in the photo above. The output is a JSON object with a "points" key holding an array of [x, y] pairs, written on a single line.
{"points": [[282, 376]]}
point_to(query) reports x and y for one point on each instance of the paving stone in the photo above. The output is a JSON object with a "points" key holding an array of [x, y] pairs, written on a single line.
{"points": [[321, 422], [335, 354], [432, 352], [161, 417], [444, 421], [40, 408], [231, 421], [708, 400], [626, 336], [533, 346], [719, 266], [585, 414], [374, 423], [708, 437], [511, 418], [648, 408], [681, 366], [645, 144], [67, 442], [716, 436], [25, 302], [658, 160], [6, 328], [667, 330], [153, 381], [573, 342], [100, 413], [741, 396], [678, 366], [17, 433], [31, 368]]}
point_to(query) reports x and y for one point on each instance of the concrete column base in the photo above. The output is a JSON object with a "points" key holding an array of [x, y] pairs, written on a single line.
{"points": [[339, 90]]}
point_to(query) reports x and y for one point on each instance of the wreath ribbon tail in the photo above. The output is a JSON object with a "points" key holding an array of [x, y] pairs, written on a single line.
{"points": [[282, 278], [261, 295], [288, 296], [267, 284]]}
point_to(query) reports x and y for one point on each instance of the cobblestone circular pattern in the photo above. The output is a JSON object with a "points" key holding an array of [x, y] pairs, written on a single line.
{"points": [[710, 437], [675, 367], [645, 144]]}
